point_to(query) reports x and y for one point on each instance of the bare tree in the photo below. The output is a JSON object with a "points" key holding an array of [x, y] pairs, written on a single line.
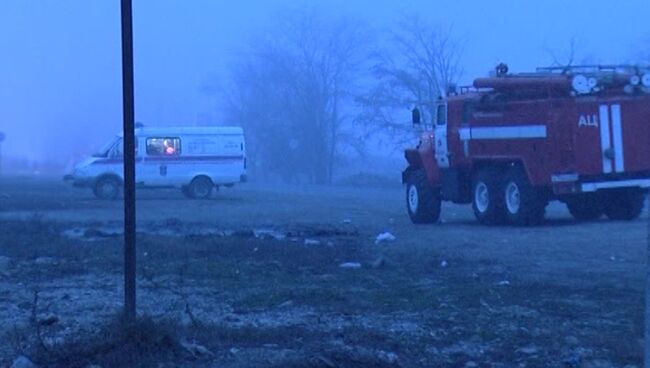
{"points": [[291, 91], [417, 67], [566, 61]]}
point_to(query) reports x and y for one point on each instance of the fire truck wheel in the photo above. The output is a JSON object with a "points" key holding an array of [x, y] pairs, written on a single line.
{"points": [[586, 207], [487, 201], [107, 188], [200, 188], [524, 205], [422, 200], [624, 204]]}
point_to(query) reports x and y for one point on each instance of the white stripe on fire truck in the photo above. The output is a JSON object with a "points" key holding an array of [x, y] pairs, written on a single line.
{"points": [[617, 139], [604, 138], [503, 132]]}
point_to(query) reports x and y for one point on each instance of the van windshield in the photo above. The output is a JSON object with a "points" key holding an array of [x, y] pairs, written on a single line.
{"points": [[104, 151]]}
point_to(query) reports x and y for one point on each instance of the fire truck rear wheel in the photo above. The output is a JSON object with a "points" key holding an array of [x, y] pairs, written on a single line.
{"points": [[422, 200], [524, 204], [487, 201], [624, 204], [107, 188], [200, 187], [585, 207]]}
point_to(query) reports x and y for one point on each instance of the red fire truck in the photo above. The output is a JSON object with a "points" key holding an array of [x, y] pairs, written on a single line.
{"points": [[511, 143]]}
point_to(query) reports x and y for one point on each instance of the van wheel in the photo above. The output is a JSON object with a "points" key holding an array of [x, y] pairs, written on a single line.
{"points": [[487, 201], [524, 204], [200, 188], [422, 200], [107, 188], [624, 204], [585, 207]]}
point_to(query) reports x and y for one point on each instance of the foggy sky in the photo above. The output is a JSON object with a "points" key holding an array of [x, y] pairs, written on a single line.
{"points": [[60, 91]]}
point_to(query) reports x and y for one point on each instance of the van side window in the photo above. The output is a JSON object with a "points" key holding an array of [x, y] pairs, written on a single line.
{"points": [[164, 146], [118, 149]]}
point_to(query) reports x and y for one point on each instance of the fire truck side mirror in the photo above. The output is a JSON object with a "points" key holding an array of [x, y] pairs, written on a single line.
{"points": [[415, 116]]}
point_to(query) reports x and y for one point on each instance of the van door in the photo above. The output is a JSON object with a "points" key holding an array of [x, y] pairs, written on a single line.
{"points": [[162, 155], [440, 134]]}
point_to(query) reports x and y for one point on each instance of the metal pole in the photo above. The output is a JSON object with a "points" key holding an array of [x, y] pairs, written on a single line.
{"points": [[646, 355], [2, 139], [129, 161]]}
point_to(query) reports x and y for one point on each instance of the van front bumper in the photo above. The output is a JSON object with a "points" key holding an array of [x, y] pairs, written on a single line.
{"points": [[79, 182]]}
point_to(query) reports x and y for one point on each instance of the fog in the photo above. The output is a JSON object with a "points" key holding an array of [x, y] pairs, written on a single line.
{"points": [[324, 184], [60, 95]]}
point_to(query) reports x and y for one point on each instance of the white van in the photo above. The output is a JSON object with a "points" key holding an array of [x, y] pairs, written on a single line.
{"points": [[193, 159]]}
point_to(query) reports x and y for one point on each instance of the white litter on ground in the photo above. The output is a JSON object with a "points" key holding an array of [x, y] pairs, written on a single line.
{"points": [[268, 233], [503, 283], [444, 264], [312, 242], [351, 265], [385, 237], [195, 349]]}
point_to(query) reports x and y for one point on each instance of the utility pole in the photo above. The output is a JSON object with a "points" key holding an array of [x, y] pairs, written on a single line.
{"points": [[2, 138], [646, 355], [128, 111]]}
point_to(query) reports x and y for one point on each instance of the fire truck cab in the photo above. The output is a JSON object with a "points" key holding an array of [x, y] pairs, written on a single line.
{"points": [[511, 143]]}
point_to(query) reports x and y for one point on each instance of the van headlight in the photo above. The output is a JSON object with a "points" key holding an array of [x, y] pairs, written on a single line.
{"points": [[79, 172]]}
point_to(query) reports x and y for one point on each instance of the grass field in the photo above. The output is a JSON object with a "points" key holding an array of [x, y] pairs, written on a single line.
{"points": [[253, 276]]}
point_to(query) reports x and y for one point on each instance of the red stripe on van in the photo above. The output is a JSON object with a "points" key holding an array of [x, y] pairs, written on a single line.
{"points": [[172, 159]]}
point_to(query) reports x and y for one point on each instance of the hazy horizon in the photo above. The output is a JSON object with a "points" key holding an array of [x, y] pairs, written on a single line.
{"points": [[61, 77]]}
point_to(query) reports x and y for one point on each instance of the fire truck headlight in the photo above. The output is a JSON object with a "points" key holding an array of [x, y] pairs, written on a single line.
{"points": [[645, 80], [635, 80]]}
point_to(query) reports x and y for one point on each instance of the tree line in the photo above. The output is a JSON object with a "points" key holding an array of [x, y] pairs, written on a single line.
{"points": [[310, 88]]}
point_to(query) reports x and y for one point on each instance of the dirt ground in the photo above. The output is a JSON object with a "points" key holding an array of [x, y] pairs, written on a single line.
{"points": [[254, 275]]}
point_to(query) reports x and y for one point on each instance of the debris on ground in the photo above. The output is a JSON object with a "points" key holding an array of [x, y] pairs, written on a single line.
{"points": [[320, 360], [571, 340], [385, 237], [503, 283], [22, 362], [196, 350], [312, 242], [379, 262], [268, 233], [45, 261], [286, 304], [388, 357], [530, 350], [444, 264], [48, 321], [350, 265]]}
